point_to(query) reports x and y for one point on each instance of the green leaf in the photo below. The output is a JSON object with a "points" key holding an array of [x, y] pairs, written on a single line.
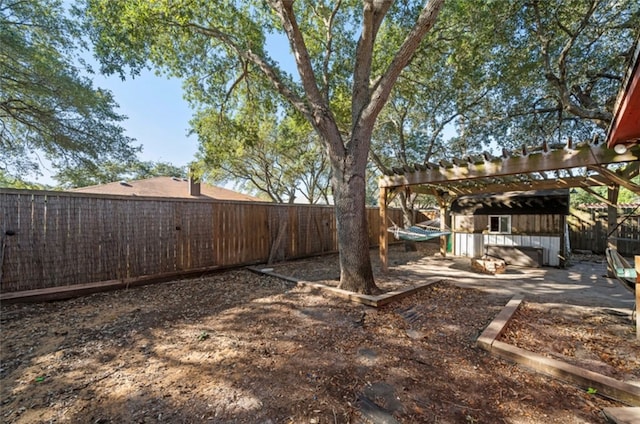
{"points": [[47, 108]]}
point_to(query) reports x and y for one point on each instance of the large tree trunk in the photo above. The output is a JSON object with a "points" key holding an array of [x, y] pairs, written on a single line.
{"points": [[348, 160], [353, 239], [349, 191]]}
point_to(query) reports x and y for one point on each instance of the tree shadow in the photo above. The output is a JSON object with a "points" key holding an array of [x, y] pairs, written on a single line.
{"points": [[224, 350]]}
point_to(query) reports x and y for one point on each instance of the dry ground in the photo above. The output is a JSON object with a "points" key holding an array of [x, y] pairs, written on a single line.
{"points": [[238, 347]]}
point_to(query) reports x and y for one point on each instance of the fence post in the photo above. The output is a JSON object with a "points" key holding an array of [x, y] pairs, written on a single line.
{"points": [[383, 244], [637, 297]]}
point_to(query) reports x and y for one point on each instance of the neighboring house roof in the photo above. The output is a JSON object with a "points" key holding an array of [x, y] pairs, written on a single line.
{"points": [[166, 187]]}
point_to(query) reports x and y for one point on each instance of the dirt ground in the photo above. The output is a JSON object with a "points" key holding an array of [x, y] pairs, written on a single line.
{"points": [[238, 347]]}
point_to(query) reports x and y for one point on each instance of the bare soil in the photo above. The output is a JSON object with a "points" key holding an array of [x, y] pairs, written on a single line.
{"points": [[239, 347]]}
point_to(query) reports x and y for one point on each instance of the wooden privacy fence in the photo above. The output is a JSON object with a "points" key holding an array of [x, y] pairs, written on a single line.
{"points": [[52, 239], [588, 230]]}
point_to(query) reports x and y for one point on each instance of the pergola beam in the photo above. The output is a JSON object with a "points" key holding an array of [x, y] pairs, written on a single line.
{"points": [[552, 160], [616, 179], [537, 184], [597, 195]]}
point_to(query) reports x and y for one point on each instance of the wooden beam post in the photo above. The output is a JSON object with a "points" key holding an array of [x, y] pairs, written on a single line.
{"points": [[443, 201], [563, 241], [447, 225], [612, 221], [637, 297], [443, 239], [383, 234], [616, 179], [612, 214]]}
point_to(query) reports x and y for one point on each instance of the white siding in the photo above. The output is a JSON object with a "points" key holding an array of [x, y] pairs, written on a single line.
{"points": [[472, 245], [469, 245]]}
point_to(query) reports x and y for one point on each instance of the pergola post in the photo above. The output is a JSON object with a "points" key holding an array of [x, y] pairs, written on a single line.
{"points": [[563, 241], [638, 297], [443, 202], [443, 239], [612, 220], [612, 215], [383, 242]]}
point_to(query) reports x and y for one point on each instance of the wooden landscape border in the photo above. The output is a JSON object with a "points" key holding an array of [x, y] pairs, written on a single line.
{"points": [[375, 301], [77, 290], [605, 386]]}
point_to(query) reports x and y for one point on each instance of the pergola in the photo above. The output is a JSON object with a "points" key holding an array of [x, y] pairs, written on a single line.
{"points": [[583, 165], [612, 163]]}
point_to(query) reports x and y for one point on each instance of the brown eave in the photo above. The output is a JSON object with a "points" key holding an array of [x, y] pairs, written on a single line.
{"points": [[625, 127]]}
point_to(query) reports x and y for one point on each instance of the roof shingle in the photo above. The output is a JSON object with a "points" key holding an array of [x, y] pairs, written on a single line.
{"points": [[165, 187]]}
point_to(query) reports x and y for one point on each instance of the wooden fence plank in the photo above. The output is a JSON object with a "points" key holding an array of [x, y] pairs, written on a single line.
{"points": [[588, 231], [72, 239]]}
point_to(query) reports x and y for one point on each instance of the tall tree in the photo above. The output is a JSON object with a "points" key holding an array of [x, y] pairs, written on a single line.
{"points": [[315, 180], [263, 151], [552, 68], [504, 74], [416, 125], [47, 109], [16, 182], [340, 88], [423, 122]]}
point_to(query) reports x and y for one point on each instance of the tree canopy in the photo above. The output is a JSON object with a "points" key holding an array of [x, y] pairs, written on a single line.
{"points": [[500, 74], [551, 69], [264, 147], [342, 83], [11, 181], [48, 110], [506, 74], [495, 75]]}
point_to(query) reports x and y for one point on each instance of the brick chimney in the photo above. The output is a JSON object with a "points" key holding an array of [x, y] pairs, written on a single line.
{"points": [[194, 186]]}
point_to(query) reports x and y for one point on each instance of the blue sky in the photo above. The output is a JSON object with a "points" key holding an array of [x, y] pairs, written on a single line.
{"points": [[158, 118]]}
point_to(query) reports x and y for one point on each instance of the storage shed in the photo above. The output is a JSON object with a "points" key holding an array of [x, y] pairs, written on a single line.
{"points": [[523, 228]]}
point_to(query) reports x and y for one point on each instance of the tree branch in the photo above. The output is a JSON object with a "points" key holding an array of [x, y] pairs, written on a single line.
{"points": [[268, 71], [373, 12], [381, 91], [328, 49], [319, 114]]}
